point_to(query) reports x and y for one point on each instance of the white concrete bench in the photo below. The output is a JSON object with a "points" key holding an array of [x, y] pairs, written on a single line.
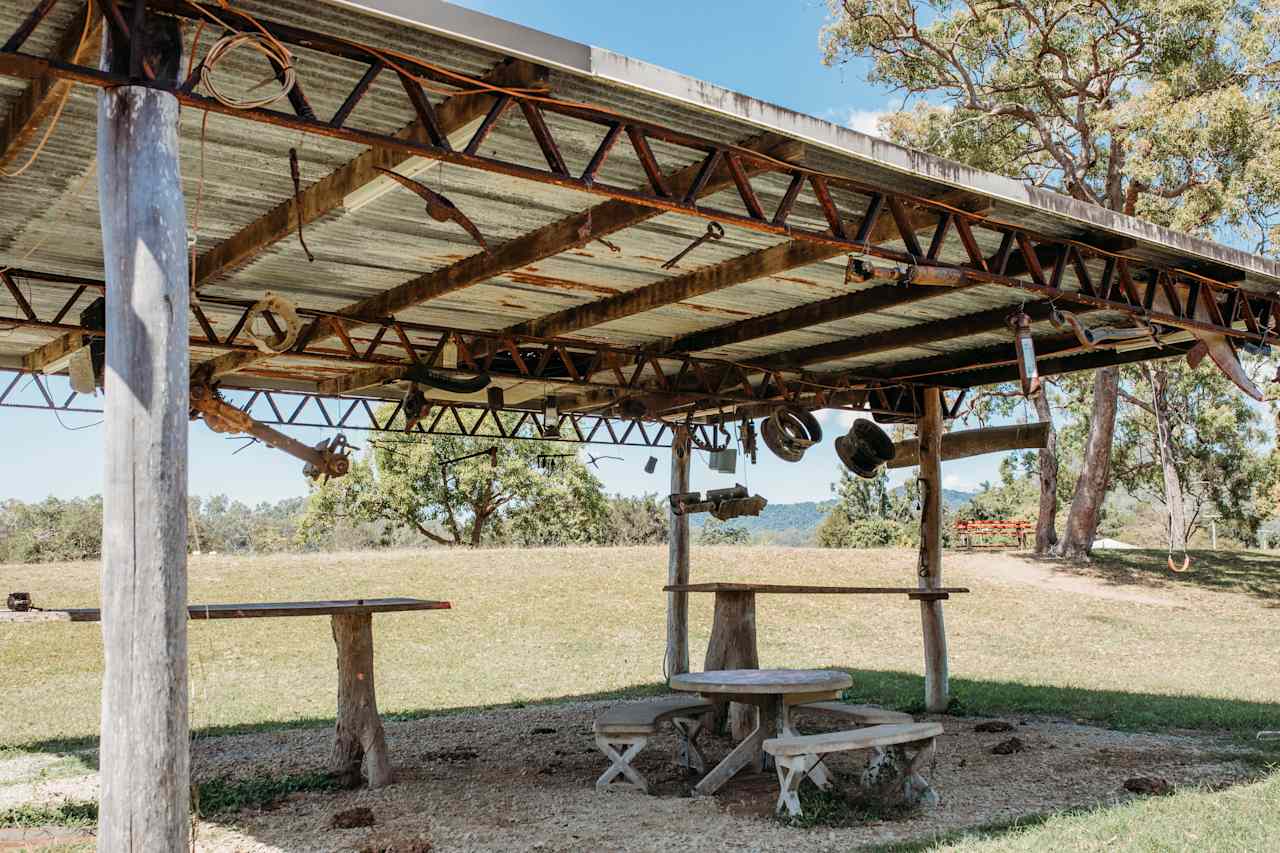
{"points": [[796, 756], [624, 729]]}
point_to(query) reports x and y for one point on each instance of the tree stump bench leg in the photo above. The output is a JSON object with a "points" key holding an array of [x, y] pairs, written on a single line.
{"points": [[733, 646], [359, 739]]}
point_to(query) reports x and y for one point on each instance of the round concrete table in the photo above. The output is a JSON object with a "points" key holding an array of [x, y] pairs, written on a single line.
{"points": [[773, 691]]}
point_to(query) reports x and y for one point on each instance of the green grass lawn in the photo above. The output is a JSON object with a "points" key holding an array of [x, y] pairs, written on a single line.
{"points": [[538, 625], [1245, 819], [1136, 648]]}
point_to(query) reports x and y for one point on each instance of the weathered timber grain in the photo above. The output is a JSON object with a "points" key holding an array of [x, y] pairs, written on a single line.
{"points": [[145, 764], [929, 431], [359, 741]]}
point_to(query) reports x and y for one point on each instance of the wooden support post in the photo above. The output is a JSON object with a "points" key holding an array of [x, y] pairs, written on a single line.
{"points": [[677, 660], [145, 762], [359, 739], [733, 646], [929, 430]]}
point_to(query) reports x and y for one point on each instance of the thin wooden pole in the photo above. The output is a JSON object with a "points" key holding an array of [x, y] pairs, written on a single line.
{"points": [[929, 431], [145, 766], [677, 660]]}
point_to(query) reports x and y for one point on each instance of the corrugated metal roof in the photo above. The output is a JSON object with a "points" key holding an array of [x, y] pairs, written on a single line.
{"points": [[237, 171]]}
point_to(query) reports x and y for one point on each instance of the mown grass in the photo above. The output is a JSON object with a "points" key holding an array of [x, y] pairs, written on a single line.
{"points": [[1243, 818], [70, 813], [544, 625]]}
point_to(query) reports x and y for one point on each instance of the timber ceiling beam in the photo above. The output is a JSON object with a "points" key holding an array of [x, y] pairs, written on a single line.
{"points": [[923, 334], [840, 307], [1062, 358], [44, 94], [773, 260], [578, 229], [454, 117]]}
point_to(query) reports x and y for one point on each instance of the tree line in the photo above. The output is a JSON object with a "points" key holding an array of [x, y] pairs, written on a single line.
{"points": [[64, 530]]}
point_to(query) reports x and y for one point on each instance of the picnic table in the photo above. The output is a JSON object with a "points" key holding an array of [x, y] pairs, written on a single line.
{"points": [[359, 738], [733, 642], [773, 692]]}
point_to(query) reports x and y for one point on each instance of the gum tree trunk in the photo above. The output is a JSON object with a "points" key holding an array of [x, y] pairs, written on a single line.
{"points": [[1091, 488], [1046, 522]]}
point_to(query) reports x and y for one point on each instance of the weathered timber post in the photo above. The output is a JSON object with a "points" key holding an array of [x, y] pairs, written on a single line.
{"points": [[929, 430], [733, 646], [145, 765], [359, 738], [677, 660]]}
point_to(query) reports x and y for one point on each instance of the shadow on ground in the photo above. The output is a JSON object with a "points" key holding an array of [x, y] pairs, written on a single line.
{"points": [[901, 691], [1254, 573]]}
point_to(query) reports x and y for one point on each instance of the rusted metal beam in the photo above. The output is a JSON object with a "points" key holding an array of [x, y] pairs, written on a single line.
{"points": [[327, 194], [760, 264], [28, 113], [378, 415], [575, 230]]}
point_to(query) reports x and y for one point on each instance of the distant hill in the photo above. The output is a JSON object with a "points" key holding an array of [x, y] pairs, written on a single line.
{"points": [[796, 523]]}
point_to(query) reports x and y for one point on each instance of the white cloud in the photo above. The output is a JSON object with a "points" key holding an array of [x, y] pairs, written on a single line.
{"points": [[954, 481], [837, 421], [865, 121]]}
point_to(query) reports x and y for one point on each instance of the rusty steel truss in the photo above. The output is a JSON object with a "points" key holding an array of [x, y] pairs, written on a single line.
{"points": [[378, 415], [666, 384], [1178, 298]]}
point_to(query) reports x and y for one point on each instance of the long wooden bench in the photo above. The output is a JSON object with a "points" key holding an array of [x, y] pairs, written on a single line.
{"points": [[969, 532], [797, 756], [625, 728]]}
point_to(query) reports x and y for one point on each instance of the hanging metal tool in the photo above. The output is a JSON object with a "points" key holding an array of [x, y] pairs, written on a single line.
{"points": [[1103, 335], [714, 232], [296, 173], [864, 448], [747, 436], [1025, 345], [723, 504], [415, 407], [790, 431], [439, 208], [328, 459]]}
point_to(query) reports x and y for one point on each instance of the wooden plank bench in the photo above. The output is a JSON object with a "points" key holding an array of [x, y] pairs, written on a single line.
{"points": [[624, 729], [797, 756], [969, 531], [359, 742]]}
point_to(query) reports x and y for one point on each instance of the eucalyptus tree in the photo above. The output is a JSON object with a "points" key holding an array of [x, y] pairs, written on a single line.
{"points": [[469, 490], [1163, 110]]}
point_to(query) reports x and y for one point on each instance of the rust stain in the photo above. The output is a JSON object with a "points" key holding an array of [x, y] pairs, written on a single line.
{"points": [[507, 303], [561, 284], [582, 254], [655, 260], [708, 309], [804, 281]]}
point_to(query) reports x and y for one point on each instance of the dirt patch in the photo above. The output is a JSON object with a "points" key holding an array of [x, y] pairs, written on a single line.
{"points": [[1011, 568], [483, 781]]}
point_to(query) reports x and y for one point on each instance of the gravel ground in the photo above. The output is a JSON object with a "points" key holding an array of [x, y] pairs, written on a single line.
{"points": [[516, 780]]}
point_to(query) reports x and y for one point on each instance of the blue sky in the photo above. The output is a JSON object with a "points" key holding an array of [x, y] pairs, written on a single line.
{"points": [[765, 48]]}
